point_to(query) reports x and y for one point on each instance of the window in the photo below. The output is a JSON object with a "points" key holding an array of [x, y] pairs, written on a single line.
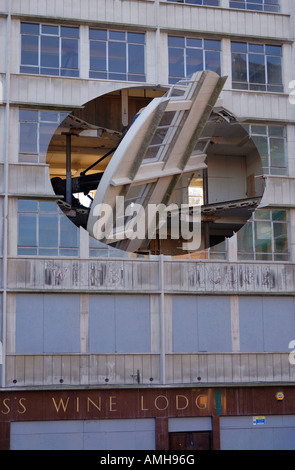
{"points": [[259, 5], [49, 50], [45, 231], [214, 3], [271, 142], [36, 129], [265, 237], [190, 55], [257, 67], [117, 55]]}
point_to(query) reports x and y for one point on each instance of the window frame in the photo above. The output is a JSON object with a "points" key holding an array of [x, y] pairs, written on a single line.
{"points": [[265, 256], [265, 87], [108, 74], [39, 69], [38, 157], [172, 79], [35, 249], [232, 4], [270, 169]]}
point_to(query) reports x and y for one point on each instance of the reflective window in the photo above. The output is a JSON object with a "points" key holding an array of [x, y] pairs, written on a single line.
{"points": [[265, 237], [190, 55], [49, 50], [36, 129], [117, 55], [257, 67], [214, 3], [271, 142], [258, 5], [45, 231]]}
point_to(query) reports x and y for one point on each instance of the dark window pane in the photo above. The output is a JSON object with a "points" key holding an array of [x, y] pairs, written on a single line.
{"points": [[239, 47], [212, 61], [191, 42], [50, 51], [117, 57], [212, 45], [29, 52], [176, 62], [138, 38], [46, 132], [281, 244], [69, 53], [27, 115], [175, 41], [256, 68], [239, 67], [274, 70], [98, 34], [136, 58], [68, 233], [29, 28], [27, 235], [48, 231], [98, 55], [277, 152], [194, 61], [69, 32], [53, 30], [28, 137], [117, 35]]}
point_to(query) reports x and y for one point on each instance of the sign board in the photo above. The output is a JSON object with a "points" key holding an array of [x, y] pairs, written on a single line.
{"points": [[258, 420]]}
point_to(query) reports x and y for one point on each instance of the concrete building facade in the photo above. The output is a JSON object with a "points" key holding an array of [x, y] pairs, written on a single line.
{"points": [[103, 349]]}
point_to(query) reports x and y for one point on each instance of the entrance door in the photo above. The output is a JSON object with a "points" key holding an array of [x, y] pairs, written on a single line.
{"points": [[190, 441]]}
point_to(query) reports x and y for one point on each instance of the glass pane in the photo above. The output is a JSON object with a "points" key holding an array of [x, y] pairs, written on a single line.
{"points": [[46, 132], [69, 32], [98, 34], [176, 62], [212, 61], [68, 233], [48, 231], [30, 28], [194, 61], [262, 147], [138, 38], [69, 53], [27, 230], [49, 116], [274, 70], [239, 67], [263, 237], [29, 47], [281, 244], [49, 51], [277, 152], [117, 35], [25, 205], [245, 238], [136, 58], [256, 68], [175, 41], [46, 206], [28, 137], [262, 214], [212, 45], [50, 30], [117, 57], [98, 55], [279, 215]]}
